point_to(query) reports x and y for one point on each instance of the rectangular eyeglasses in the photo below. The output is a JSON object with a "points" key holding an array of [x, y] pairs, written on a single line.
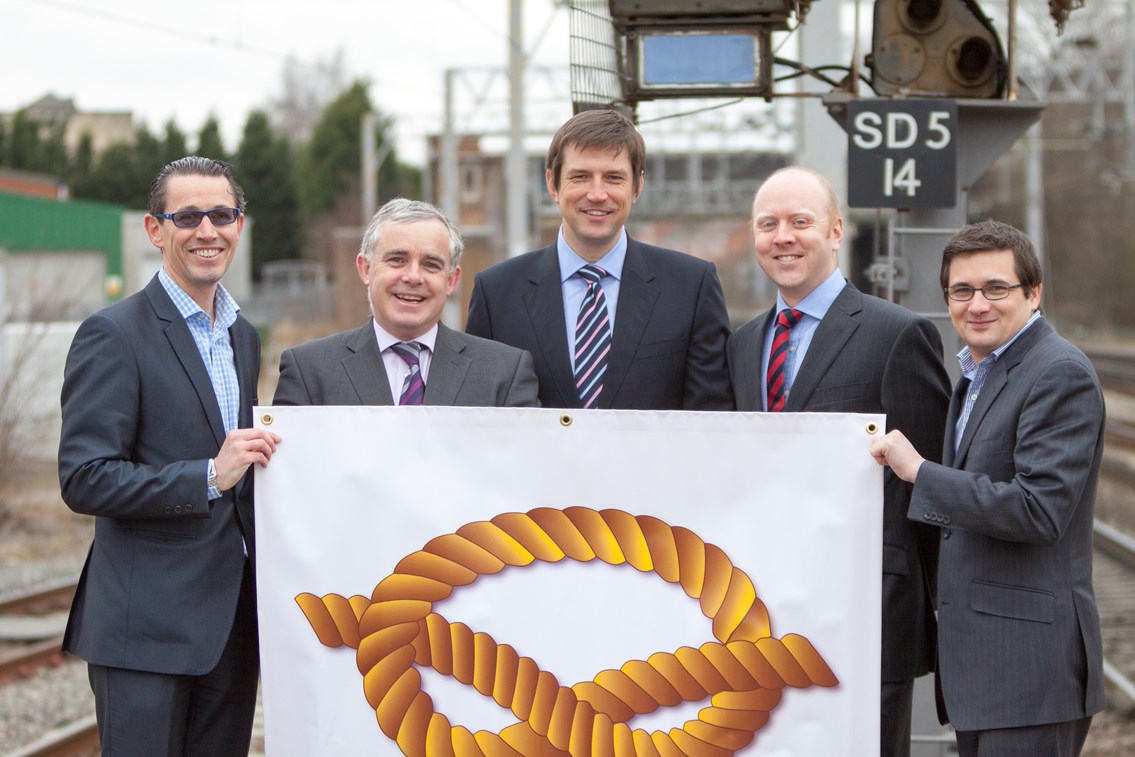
{"points": [[191, 219]]}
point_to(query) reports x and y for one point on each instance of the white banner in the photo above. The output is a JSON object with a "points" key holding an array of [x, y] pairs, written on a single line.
{"points": [[464, 581]]}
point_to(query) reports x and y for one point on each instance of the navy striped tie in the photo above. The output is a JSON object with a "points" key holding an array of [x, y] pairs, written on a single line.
{"points": [[414, 387], [592, 337], [777, 391]]}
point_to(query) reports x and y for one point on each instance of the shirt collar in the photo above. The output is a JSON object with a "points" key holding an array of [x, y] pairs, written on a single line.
{"points": [[969, 367], [611, 262], [225, 308], [820, 299], [386, 339]]}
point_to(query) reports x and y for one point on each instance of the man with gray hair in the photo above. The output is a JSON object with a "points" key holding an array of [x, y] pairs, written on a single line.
{"points": [[409, 262]]}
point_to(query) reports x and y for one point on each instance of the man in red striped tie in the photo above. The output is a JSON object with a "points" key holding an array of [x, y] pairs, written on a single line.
{"points": [[827, 347]]}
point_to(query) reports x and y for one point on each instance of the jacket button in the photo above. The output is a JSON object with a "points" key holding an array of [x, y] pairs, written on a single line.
{"points": [[927, 516], [946, 519], [177, 509], [168, 509], [945, 533], [189, 508]]}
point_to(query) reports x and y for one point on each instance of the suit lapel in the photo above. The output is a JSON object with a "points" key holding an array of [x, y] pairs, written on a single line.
{"points": [[364, 368], [749, 355], [637, 298], [995, 382], [545, 303], [177, 332], [448, 368], [245, 353], [837, 326], [957, 401]]}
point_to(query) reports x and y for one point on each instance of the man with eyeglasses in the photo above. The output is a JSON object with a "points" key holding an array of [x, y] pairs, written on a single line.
{"points": [[156, 445], [1020, 665], [827, 347]]}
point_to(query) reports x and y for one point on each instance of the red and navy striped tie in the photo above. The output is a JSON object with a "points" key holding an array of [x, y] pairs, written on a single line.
{"points": [[777, 392], [592, 337], [414, 387]]}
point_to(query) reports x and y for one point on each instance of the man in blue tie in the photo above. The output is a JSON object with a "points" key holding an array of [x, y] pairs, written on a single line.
{"points": [[410, 263], [611, 322]]}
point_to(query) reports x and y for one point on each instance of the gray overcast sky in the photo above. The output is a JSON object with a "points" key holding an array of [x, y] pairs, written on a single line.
{"points": [[162, 59]]}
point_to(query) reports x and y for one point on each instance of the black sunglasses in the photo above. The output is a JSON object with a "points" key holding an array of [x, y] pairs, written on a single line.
{"points": [[191, 219]]}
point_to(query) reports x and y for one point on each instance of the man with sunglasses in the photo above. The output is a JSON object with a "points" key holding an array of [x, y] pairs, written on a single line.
{"points": [[1020, 665], [156, 445]]}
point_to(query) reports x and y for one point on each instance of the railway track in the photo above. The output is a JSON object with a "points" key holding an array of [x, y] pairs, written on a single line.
{"points": [[33, 648], [27, 657]]}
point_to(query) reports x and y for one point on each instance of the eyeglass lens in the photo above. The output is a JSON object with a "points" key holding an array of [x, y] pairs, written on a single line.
{"points": [[989, 292], [188, 219]]}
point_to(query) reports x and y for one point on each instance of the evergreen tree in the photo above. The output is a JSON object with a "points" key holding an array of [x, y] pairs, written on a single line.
{"points": [[51, 157], [23, 144], [80, 173], [209, 141], [174, 144], [329, 165], [115, 177], [264, 167], [3, 144]]}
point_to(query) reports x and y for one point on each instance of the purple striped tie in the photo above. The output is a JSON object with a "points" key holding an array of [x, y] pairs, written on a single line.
{"points": [[777, 391], [592, 337], [414, 387]]}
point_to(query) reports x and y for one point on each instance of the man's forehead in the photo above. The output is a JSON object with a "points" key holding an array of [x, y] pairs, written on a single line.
{"points": [[190, 189], [613, 157]]}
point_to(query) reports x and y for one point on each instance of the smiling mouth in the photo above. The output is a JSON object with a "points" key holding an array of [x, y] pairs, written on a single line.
{"points": [[597, 213], [411, 298], [207, 252]]}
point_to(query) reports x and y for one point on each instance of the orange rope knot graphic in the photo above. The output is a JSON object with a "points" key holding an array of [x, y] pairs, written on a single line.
{"points": [[743, 672]]}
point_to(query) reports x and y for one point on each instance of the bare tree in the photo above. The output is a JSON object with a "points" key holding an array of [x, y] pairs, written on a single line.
{"points": [[36, 326], [307, 89]]}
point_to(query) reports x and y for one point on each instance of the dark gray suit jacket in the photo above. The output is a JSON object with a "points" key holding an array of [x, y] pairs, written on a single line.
{"points": [[1019, 630], [872, 356], [140, 422], [347, 369], [668, 349]]}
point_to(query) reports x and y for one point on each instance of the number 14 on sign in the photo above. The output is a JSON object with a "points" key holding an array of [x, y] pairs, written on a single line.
{"points": [[905, 179]]}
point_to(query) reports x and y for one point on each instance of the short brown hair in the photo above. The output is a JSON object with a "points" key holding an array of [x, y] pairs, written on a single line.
{"points": [[191, 165], [598, 129], [991, 236]]}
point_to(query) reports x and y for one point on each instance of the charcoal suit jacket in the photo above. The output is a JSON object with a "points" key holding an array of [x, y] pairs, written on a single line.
{"points": [[347, 369], [1019, 629], [868, 355], [159, 589], [668, 346]]}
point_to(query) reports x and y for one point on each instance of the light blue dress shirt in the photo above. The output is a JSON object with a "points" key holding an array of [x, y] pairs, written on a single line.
{"points": [[215, 345], [977, 373], [813, 308], [574, 288]]}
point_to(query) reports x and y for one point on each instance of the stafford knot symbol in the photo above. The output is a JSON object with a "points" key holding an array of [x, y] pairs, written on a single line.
{"points": [[743, 672]]}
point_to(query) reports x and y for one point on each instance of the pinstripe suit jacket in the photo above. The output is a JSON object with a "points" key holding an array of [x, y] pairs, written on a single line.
{"points": [[872, 356], [1019, 630], [347, 369]]}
